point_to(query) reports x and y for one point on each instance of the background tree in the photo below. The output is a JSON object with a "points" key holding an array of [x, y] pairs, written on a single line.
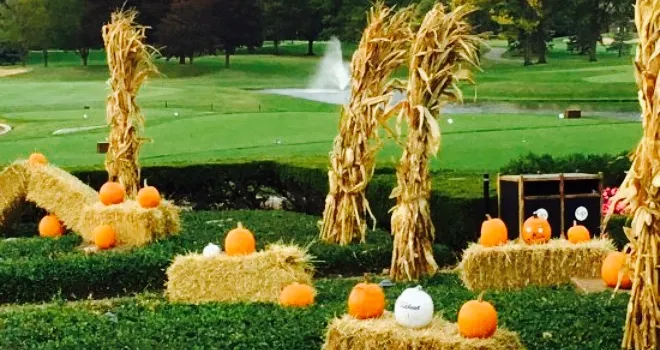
{"points": [[279, 20], [186, 29], [237, 23], [23, 23]]}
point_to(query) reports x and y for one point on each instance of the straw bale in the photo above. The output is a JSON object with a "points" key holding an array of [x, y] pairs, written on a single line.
{"points": [[13, 189], [258, 277], [135, 226], [59, 193], [348, 333], [517, 265]]}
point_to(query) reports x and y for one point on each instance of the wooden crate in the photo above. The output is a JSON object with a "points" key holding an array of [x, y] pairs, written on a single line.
{"points": [[564, 197], [572, 113], [102, 147]]}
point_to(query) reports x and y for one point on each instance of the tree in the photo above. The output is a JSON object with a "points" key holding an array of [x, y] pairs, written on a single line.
{"points": [[186, 29], [24, 23], [237, 23], [310, 15], [279, 20], [62, 26]]}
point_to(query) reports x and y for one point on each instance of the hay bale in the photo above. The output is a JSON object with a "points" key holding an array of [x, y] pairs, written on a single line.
{"points": [[59, 193], [257, 277], [517, 265], [13, 189], [135, 226], [348, 333]]}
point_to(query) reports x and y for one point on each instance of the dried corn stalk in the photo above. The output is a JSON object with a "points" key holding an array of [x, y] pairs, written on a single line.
{"points": [[639, 190], [441, 51], [130, 63], [383, 48]]}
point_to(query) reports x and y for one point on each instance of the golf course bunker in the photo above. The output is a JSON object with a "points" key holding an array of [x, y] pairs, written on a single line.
{"points": [[5, 72], [75, 130], [4, 129]]}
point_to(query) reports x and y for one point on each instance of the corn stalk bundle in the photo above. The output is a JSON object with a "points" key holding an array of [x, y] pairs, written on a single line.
{"points": [[640, 190], [440, 51], [382, 49], [130, 63]]}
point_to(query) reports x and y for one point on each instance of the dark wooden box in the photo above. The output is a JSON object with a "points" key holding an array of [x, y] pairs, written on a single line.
{"points": [[519, 196], [572, 113], [102, 147]]}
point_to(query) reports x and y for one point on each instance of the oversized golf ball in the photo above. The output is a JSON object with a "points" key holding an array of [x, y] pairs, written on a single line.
{"points": [[414, 308], [211, 250]]}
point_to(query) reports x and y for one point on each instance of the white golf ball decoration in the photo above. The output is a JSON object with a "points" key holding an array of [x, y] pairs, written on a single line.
{"points": [[414, 308], [450, 121], [211, 250]]}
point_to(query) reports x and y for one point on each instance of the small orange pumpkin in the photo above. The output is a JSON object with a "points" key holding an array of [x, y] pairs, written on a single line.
{"points": [[477, 319], [50, 227], [367, 300], [112, 193], [240, 241], [37, 158], [105, 237], [297, 295], [536, 230], [578, 234], [612, 266], [493, 232], [148, 197]]}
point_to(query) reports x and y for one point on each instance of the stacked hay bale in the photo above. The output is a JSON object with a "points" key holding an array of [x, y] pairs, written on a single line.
{"points": [[13, 182], [517, 265], [349, 333], [256, 277]]}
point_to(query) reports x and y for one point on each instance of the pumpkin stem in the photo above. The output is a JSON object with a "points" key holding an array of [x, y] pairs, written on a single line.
{"points": [[240, 225], [145, 182], [488, 217], [366, 277], [480, 298]]}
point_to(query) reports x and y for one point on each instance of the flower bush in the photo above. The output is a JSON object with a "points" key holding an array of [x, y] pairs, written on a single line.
{"points": [[607, 194]]}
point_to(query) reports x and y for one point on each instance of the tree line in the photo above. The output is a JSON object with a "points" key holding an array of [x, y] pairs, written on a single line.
{"points": [[183, 29]]}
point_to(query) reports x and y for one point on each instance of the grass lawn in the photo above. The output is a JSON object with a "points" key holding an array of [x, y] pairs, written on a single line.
{"points": [[222, 118]]}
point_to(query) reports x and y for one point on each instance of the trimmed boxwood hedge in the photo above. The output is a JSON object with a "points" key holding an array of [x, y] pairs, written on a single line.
{"points": [[36, 269], [545, 318]]}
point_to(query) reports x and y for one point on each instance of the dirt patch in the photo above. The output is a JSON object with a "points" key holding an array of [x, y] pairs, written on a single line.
{"points": [[5, 72]]}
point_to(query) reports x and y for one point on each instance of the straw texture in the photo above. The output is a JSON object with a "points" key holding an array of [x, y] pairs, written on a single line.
{"points": [[382, 49], [130, 63], [78, 207], [348, 333], [441, 50], [517, 265], [13, 189], [258, 277], [640, 190], [60, 193], [135, 226]]}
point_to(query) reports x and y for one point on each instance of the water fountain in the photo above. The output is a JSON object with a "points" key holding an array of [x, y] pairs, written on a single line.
{"points": [[330, 83]]}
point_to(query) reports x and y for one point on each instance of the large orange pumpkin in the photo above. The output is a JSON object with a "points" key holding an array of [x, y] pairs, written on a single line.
{"points": [[493, 232], [112, 193], [105, 237], [240, 241], [612, 266], [477, 319], [148, 197], [536, 230], [37, 158], [50, 227], [297, 295], [578, 234], [367, 300]]}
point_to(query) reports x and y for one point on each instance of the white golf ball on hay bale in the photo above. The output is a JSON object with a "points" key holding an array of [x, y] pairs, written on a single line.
{"points": [[414, 308]]}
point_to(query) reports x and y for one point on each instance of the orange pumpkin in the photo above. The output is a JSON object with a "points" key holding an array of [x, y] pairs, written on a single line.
{"points": [[477, 319], [536, 230], [112, 193], [612, 266], [105, 237], [148, 197], [37, 158], [493, 232], [367, 300], [50, 227], [578, 234], [240, 241], [297, 295]]}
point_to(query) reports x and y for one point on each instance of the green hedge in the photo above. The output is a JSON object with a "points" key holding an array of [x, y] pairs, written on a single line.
{"points": [[36, 269], [545, 318]]}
